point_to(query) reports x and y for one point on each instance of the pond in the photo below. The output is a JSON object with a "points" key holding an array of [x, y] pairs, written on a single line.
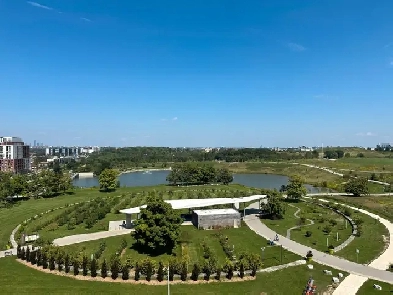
{"points": [[268, 181]]}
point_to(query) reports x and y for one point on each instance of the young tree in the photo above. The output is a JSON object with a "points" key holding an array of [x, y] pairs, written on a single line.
{"points": [[254, 264], [160, 272], [51, 261], [125, 272], [241, 269], [229, 268], [224, 176], [27, 254], [108, 179], [85, 263], [44, 260], [115, 267], [18, 252], [104, 269], [209, 267], [137, 272], [173, 267], [75, 266], [67, 263], [183, 271], [33, 257], [93, 268], [196, 271], [357, 186], [23, 254], [218, 273], [60, 260], [296, 189], [158, 227], [39, 257]]}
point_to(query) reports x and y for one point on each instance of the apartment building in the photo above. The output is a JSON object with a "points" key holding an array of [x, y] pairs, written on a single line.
{"points": [[14, 155]]}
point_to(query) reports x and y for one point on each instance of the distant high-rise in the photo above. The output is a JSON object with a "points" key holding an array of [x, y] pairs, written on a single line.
{"points": [[35, 143], [14, 155]]}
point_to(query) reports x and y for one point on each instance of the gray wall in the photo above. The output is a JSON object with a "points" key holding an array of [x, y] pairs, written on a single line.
{"points": [[208, 221]]}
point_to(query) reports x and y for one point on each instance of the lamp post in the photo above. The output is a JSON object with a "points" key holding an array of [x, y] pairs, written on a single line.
{"points": [[357, 255], [169, 292]]}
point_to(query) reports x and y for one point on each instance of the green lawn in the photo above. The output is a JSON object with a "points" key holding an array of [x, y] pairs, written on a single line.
{"points": [[18, 279], [244, 240], [10, 218], [321, 217], [368, 288]]}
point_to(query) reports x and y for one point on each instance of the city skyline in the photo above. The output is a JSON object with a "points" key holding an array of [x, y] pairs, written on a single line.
{"points": [[279, 74]]}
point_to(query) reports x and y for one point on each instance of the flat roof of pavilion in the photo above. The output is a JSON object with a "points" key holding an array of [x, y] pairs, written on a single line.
{"points": [[198, 203]]}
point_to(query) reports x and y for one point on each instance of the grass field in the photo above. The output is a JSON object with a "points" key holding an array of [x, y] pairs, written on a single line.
{"points": [[370, 244], [11, 217], [191, 240], [19, 279], [368, 288], [321, 218]]}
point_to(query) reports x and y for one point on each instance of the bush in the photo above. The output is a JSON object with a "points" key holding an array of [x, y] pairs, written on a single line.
{"points": [[333, 222], [52, 261], [241, 270], [147, 268], [218, 273], [85, 262], [327, 229], [60, 260], [125, 272], [115, 268], [104, 269], [183, 272], [228, 268], [27, 255], [75, 265], [160, 272], [39, 257], [44, 260], [206, 250], [137, 272], [347, 212], [196, 271], [173, 267], [67, 263], [18, 252], [93, 268], [209, 267], [331, 247], [308, 234], [33, 257], [100, 250]]}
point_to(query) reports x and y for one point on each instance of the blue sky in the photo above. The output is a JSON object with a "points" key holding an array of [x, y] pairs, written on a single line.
{"points": [[197, 73]]}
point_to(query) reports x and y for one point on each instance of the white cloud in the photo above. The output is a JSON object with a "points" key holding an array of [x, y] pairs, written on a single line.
{"points": [[85, 19], [296, 47], [366, 134], [35, 4], [174, 118]]}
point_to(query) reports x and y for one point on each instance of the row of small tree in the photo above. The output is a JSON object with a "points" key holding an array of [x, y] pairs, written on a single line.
{"points": [[54, 258]]}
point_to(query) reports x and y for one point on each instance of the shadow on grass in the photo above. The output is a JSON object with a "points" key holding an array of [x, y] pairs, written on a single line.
{"points": [[146, 251]]}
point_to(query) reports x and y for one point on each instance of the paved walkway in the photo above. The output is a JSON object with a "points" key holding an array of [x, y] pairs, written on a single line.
{"points": [[75, 239], [367, 271]]}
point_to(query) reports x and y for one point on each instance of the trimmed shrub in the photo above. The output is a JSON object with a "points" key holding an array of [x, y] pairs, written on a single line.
{"points": [[60, 260], [33, 257], [241, 270], [39, 257], [104, 269], [137, 272], [23, 254], [44, 260], [115, 268], [308, 234], [196, 271], [160, 272], [18, 252], [93, 268], [67, 263], [52, 261], [85, 263], [75, 265], [183, 272], [27, 254], [218, 273], [125, 272]]}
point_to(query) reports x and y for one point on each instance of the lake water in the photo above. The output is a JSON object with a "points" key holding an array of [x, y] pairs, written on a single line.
{"points": [[268, 181]]}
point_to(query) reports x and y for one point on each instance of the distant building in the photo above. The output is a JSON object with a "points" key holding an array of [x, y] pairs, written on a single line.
{"points": [[305, 149], [63, 151], [14, 155]]}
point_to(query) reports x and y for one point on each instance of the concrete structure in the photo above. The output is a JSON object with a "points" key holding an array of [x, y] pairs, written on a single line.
{"points": [[63, 151], [14, 155], [194, 203], [208, 219]]}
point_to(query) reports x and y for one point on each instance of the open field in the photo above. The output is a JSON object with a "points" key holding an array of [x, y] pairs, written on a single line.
{"points": [[191, 240], [19, 279], [11, 217]]}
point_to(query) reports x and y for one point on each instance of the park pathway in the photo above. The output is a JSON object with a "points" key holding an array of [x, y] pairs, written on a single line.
{"points": [[374, 270], [296, 214], [76, 239]]}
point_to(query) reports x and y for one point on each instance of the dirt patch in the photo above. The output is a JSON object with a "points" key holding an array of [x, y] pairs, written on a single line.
{"points": [[123, 252], [131, 281]]}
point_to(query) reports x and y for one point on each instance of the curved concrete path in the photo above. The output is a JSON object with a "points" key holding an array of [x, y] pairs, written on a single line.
{"points": [[75, 239], [341, 174], [299, 226], [376, 270]]}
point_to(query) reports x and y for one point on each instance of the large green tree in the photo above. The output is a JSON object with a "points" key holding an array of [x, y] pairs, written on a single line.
{"points": [[108, 179], [275, 207], [357, 186], [295, 188], [158, 228]]}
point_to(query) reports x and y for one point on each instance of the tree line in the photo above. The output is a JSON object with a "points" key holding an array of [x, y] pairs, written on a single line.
{"points": [[46, 183], [160, 157], [194, 173]]}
